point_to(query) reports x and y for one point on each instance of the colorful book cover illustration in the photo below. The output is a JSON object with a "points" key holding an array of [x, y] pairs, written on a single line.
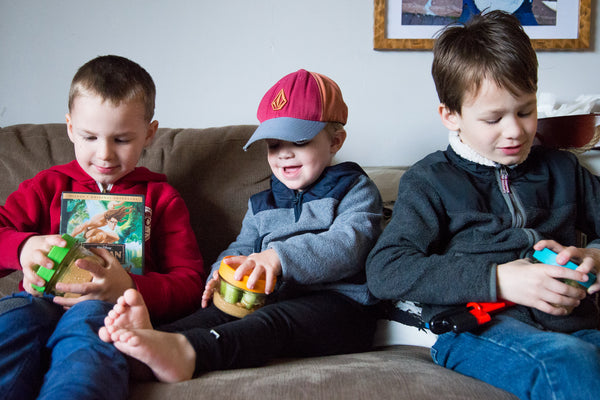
{"points": [[114, 222]]}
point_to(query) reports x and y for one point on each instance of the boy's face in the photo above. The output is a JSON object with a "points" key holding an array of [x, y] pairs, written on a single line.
{"points": [[495, 124], [299, 165], [108, 139]]}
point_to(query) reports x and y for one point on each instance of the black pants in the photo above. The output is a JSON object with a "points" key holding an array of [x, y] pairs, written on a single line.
{"points": [[314, 324]]}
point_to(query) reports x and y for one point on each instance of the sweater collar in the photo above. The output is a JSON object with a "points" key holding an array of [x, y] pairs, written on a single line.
{"points": [[328, 180], [467, 152]]}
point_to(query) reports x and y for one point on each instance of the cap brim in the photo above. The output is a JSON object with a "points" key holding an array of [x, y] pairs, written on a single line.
{"points": [[286, 128]]}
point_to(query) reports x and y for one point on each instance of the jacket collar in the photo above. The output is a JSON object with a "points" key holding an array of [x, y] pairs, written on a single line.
{"points": [[329, 179]]}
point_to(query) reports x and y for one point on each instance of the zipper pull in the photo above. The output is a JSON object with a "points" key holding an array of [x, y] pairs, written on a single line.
{"points": [[297, 205], [504, 180]]}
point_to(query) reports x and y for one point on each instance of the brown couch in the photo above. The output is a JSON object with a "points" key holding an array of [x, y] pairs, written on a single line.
{"points": [[216, 177]]}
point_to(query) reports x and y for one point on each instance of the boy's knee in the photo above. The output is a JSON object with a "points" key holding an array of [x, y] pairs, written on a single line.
{"points": [[87, 316], [91, 307], [12, 303], [27, 304], [568, 366]]}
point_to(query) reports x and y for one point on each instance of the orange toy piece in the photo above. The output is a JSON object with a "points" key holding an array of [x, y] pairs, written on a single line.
{"points": [[234, 297]]}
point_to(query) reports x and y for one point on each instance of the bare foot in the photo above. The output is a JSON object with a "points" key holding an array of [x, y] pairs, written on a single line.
{"points": [[169, 355], [130, 312]]}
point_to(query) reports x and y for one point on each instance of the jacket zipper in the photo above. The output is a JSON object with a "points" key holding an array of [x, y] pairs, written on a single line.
{"points": [[298, 204], [514, 205]]}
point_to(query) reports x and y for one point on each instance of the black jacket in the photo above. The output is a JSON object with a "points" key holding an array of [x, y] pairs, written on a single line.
{"points": [[455, 220]]}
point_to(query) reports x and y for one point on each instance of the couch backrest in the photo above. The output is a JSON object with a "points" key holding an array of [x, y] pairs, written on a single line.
{"points": [[207, 166]]}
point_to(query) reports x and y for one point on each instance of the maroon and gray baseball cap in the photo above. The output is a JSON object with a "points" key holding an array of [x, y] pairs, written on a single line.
{"points": [[298, 107]]}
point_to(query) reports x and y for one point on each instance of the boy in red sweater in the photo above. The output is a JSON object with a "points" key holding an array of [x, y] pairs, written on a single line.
{"points": [[49, 345]]}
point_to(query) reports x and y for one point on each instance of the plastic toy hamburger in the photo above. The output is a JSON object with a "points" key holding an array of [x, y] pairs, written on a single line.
{"points": [[65, 269], [233, 297]]}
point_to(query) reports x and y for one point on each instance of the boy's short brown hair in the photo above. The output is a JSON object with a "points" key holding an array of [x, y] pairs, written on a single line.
{"points": [[490, 46], [332, 128], [115, 79]]}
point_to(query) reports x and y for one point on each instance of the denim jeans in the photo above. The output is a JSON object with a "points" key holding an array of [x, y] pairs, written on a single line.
{"points": [[48, 353], [313, 324], [524, 360]]}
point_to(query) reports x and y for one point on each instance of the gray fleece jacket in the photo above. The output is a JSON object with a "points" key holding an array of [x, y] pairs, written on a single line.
{"points": [[322, 235]]}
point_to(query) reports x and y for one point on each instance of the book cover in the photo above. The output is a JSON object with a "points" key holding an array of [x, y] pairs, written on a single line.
{"points": [[111, 221]]}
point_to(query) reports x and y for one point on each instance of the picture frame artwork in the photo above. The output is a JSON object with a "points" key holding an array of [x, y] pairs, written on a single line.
{"points": [[413, 24]]}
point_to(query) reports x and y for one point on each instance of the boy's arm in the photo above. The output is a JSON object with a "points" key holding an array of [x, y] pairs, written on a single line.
{"points": [[26, 212], [340, 251], [409, 261]]}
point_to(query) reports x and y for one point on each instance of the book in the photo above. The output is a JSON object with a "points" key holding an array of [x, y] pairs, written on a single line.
{"points": [[114, 222]]}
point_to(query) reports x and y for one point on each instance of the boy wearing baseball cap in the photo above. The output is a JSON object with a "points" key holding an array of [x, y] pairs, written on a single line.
{"points": [[310, 232]]}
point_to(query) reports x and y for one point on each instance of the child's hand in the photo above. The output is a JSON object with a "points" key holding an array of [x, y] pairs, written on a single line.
{"points": [[258, 264], [538, 285], [209, 289], [109, 281], [34, 251], [587, 258]]}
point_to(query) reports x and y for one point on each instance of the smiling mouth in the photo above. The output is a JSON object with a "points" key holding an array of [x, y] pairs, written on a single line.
{"points": [[291, 170], [104, 170]]}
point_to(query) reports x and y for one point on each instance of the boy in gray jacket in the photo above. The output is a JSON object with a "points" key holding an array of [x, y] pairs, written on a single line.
{"points": [[311, 232]]}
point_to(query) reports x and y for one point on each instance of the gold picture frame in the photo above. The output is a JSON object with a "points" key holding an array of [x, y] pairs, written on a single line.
{"points": [[381, 41]]}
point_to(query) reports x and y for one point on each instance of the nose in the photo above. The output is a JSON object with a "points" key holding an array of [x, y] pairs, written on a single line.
{"points": [[513, 128], [285, 151], [104, 150]]}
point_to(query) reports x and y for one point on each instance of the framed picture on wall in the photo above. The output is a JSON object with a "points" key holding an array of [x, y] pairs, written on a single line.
{"points": [[413, 24]]}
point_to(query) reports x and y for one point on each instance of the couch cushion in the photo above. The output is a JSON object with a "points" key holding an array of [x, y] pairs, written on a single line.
{"points": [[10, 283], [27, 149], [387, 180], [396, 372]]}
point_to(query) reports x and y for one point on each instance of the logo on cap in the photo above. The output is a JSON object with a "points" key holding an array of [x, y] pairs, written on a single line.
{"points": [[279, 101]]}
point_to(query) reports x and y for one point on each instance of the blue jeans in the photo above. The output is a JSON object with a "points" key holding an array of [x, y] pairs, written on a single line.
{"points": [[524, 360], [48, 353]]}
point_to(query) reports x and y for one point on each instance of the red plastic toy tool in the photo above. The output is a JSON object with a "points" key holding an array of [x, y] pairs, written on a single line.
{"points": [[463, 319]]}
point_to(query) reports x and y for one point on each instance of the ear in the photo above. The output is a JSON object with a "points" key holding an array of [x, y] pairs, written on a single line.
{"points": [[152, 128], [337, 141], [69, 127], [450, 119]]}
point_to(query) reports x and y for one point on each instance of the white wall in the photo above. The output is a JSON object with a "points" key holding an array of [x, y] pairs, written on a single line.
{"points": [[212, 60]]}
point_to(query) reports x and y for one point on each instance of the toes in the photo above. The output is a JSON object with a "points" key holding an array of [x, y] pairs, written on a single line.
{"points": [[133, 297], [118, 309], [104, 335], [112, 314]]}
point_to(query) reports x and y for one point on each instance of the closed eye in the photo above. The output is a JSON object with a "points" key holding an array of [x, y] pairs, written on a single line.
{"points": [[525, 114], [493, 122]]}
